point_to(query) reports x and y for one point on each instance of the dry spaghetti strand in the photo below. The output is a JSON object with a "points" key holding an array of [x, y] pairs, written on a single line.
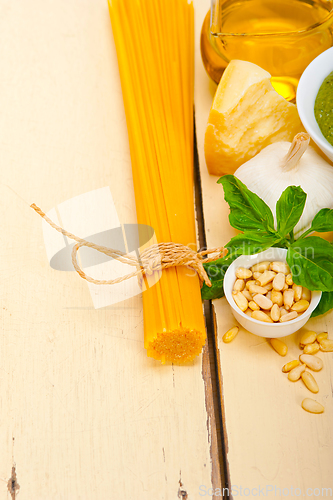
{"points": [[155, 49]]}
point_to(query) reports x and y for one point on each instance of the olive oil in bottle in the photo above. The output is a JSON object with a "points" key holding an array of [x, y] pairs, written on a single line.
{"points": [[281, 36]]}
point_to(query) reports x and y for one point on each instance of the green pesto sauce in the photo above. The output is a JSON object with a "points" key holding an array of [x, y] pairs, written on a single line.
{"points": [[324, 108]]}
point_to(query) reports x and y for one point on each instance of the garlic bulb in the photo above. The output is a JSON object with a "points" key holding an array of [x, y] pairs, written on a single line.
{"points": [[282, 164]]}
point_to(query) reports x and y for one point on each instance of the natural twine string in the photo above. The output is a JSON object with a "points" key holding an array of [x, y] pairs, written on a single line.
{"points": [[155, 258]]}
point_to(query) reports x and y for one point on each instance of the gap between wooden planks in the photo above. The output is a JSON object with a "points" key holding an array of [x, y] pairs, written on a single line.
{"points": [[210, 361]]}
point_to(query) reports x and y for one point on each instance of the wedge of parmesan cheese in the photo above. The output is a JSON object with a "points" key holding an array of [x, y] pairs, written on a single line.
{"points": [[247, 115]]}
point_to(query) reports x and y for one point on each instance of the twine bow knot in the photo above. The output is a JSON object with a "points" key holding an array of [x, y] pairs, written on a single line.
{"points": [[153, 259]]}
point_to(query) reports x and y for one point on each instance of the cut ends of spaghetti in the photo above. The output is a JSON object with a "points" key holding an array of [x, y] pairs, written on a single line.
{"points": [[177, 346]]}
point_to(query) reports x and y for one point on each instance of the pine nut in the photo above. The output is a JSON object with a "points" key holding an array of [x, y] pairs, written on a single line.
{"points": [[298, 292], [289, 280], [230, 334], [257, 289], [306, 294], [288, 298], [279, 281], [311, 348], [254, 306], [279, 267], [288, 317], [275, 312], [262, 301], [326, 345], [312, 362], [239, 285], [308, 338], [260, 267], [266, 277], [240, 300], [277, 298], [310, 382], [300, 306], [247, 294], [312, 406], [322, 336], [283, 311], [290, 366], [243, 274], [249, 283], [261, 316], [296, 373], [279, 346]]}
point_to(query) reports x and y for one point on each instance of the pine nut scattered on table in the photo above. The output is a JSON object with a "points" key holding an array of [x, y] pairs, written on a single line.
{"points": [[311, 348], [312, 362], [326, 345], [322, 336], [310, 382], [290, 366], [279, 346], [296, 373], [230, 334], [308, 338], [312, 406]]}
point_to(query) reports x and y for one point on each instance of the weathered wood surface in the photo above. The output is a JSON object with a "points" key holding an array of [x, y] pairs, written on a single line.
{"points": [[84, 413], [272, 443]]}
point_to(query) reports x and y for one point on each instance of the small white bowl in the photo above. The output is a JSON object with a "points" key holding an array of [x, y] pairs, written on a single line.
{"points": [[270, 330], [307, 91]]}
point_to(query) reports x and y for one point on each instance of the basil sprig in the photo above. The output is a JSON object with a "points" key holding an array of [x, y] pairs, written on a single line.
{"points": [[310, 258]]}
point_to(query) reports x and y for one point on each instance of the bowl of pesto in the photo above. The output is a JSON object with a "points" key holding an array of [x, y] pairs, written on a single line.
{"points": [[314, 101]]}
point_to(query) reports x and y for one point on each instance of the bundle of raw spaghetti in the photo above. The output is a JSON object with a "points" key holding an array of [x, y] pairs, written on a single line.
{"points": [[155, 49]]}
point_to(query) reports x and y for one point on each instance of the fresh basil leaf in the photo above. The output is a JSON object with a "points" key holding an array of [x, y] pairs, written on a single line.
{"points": [[247, 210], [311, 263], [248, 243], [281, 244], [325, 304], [216, 271], [213, 292], [323, 221], [289, 209]]}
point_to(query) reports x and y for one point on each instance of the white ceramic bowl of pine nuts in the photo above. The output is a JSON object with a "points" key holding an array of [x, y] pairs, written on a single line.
{"points": [[263, 297]]}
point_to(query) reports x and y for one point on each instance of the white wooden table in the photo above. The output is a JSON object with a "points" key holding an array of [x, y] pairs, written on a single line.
{"points": [[84, 413]]}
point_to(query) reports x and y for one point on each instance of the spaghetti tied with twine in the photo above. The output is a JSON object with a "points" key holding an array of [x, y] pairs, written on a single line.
{"points": [[154, 258]]}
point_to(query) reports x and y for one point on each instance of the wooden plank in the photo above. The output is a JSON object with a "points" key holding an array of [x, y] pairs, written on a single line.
{"points": [[272, 443], [84, 413], [209, 366]]}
